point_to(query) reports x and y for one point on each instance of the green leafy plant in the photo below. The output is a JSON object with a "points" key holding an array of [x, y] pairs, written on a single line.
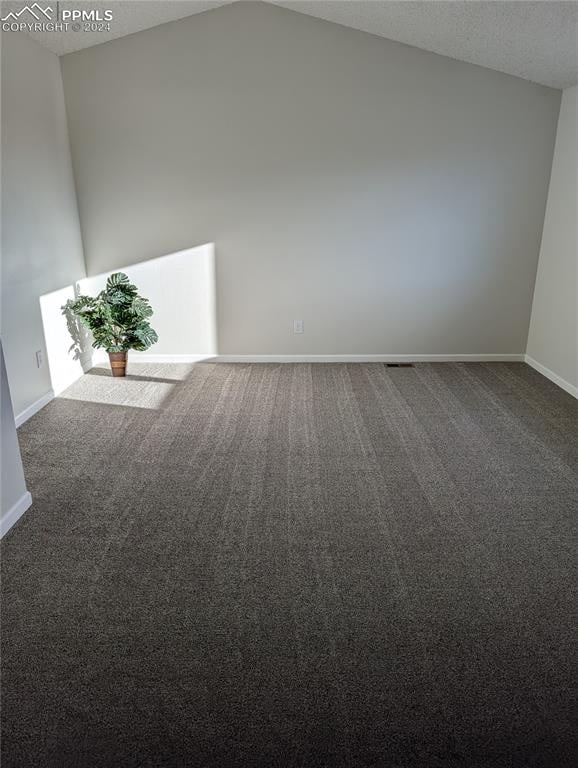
{"points": [[117, 317]]}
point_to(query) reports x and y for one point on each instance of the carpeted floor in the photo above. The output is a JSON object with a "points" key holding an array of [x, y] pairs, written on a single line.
{"points": [[295, 565]]}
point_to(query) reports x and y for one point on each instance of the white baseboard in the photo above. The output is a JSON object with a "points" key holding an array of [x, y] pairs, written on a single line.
{"points": [[24, 415], [15, 513], [549, 374], [368, 358], [144, 357]]}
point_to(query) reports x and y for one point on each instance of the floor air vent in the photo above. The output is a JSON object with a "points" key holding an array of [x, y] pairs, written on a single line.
{"points": [[399, 365]]}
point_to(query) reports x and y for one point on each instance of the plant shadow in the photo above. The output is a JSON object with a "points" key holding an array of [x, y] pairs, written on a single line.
{"points": [[81, 347]]}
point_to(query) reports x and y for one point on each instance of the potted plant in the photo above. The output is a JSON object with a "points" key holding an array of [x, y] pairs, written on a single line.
{"points": [[117, 318]]}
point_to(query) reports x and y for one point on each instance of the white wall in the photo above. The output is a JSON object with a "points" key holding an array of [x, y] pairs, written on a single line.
{"points": [[41, 241], [390, 198], [15, 498], [553, 337]]}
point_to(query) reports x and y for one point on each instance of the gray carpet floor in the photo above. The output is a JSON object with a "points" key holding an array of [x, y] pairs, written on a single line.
{"points": [[295, 565]]}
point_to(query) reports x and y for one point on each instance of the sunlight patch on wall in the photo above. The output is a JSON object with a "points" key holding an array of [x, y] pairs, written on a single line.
{"points": [[182, 291]]}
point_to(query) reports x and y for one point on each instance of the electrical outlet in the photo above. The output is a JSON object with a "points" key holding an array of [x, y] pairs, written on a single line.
{"points": [[298, 326], [39, 359]]}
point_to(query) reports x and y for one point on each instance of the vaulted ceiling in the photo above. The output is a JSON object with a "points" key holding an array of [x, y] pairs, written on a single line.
{"points": [[533, 40]]}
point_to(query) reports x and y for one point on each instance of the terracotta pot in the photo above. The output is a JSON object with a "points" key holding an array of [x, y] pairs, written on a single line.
{"points": [[118, 363]]}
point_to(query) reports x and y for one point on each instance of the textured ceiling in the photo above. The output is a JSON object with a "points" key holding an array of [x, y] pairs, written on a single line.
{"points": [[533, 40], [128, 16]]}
